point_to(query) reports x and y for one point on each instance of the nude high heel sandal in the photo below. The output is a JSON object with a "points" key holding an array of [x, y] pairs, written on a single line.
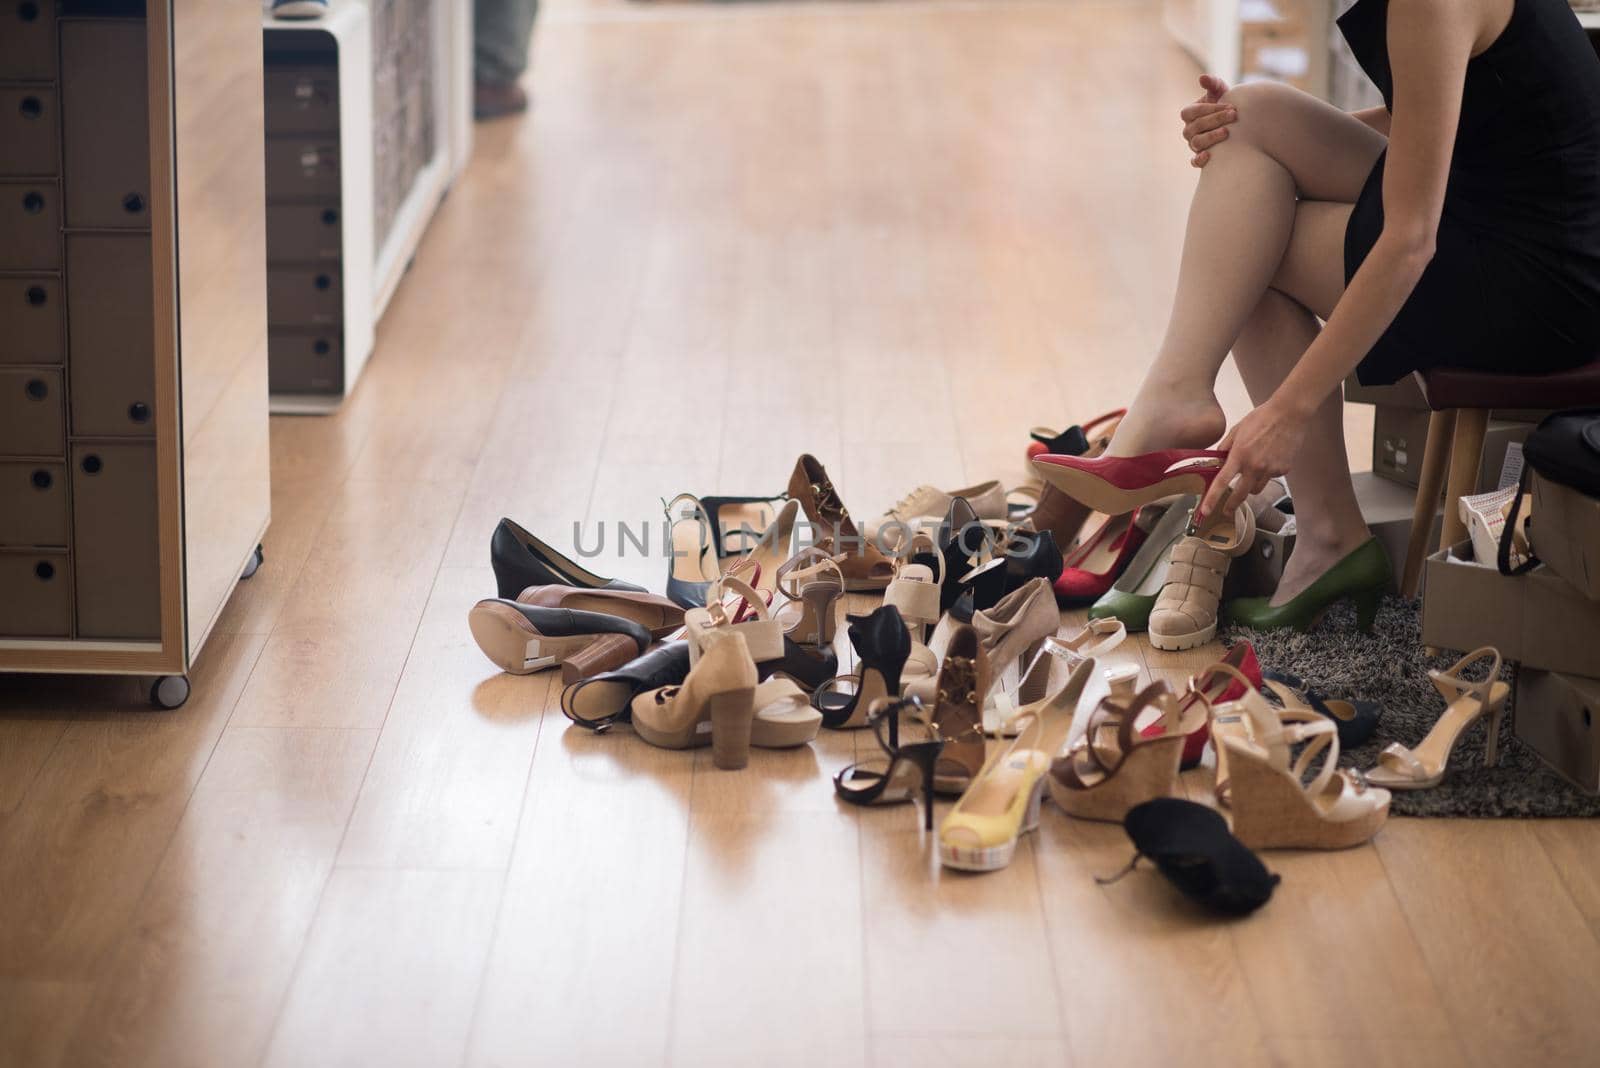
{"points": [[1112, 767], [1012, 632], [1274, 807], [715, 705], [1400, 768], [1186, 611], [812, 581]]}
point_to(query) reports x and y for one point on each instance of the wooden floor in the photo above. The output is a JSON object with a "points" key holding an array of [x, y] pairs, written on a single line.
{"points": [[893, 234]]}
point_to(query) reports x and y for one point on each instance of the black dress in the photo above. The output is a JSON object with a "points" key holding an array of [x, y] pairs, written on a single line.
{"points": [[1514, 285]]}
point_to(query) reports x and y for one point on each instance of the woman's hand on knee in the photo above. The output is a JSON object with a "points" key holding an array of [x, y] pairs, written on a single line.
{"points": [[1206, 121]]}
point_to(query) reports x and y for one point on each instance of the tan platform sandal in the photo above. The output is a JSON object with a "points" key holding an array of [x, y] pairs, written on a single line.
{"points": [[1400, 768], [1273, 805], [715, 705], [784, 717], [813, 583], [1186, 611], [865, 567], [1113, 767]]}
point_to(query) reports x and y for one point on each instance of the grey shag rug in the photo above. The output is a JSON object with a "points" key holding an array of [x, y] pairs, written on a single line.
{"points": [[1389, 666]]}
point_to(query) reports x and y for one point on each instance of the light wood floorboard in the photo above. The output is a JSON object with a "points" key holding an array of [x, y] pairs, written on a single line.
{"points": [[895, 235]]}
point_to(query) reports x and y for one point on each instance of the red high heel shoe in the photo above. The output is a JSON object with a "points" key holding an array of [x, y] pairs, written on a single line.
{"points": [[1099, 560], [1076, 440], [1215, 687], [1118, 484]]}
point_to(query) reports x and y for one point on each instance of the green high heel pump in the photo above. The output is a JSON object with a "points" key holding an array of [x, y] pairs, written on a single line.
{"points": [[1362, 576]]}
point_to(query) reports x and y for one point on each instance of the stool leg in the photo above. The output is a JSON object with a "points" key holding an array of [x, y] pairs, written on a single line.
{"points": [[1466, 456], [1441, 426]]}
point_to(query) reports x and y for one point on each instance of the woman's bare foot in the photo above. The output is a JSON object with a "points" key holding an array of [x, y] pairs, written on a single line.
{"points": [[1165, 416], [1311, 559]]}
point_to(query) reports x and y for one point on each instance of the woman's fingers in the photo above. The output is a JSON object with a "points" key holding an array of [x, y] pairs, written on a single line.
{"points": [[1200, 160], [1218, 490], [1213, 85], [1201, 142], [1201, 109]]}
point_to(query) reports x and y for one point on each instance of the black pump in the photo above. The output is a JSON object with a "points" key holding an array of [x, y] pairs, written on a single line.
{"points": [[1193, 848], [521, 560], [882, 643]]}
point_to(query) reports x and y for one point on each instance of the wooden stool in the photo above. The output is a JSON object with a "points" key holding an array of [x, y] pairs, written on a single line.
{"points": [[1460, 402]]}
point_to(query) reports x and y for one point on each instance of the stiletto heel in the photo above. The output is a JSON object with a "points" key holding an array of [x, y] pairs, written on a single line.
{"points": [[903, 771], [882, 643], [1400, 768], [1367, 602], [815, 591], [1491, 746]]}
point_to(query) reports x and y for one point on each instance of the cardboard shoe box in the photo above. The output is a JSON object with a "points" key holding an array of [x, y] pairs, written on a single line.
{"points": [[1558, 717], [1400, 440], [1537, 619], [1566, 534], [1386, 508]]}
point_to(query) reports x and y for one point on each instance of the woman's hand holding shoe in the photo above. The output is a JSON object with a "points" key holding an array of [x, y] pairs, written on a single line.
{"points": [[1260, 447]]}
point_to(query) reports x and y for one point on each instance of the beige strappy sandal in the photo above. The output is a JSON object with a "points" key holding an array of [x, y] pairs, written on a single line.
{"points": [[811, 580], [763, 635], [1400, 768], [1093, 639], [1186, 611]]}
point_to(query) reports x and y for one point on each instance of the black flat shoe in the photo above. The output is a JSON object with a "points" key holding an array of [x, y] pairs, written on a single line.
{"points": [[1356, 721], [521, 560], [523, 638], [1030, 555], [808, 667], [746, 518], [1193, 848], [607, 698]]}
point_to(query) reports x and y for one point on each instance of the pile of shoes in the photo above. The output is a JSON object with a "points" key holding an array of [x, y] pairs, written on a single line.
{"points": [[954, 668]]}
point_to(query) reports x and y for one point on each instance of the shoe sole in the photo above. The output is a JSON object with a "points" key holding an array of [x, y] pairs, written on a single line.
{"points": [[514, 645], [1177, 643], [1101, 496], [993, 858], [303, 10]]}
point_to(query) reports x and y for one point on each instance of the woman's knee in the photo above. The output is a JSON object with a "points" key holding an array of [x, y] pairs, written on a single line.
{"points": [[1262, 106]]}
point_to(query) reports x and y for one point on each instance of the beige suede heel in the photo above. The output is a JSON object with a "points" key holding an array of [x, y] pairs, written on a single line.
{"points": [[715, 705]]}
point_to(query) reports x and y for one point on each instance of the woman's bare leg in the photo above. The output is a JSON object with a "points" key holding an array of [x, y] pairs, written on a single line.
{"points": [[1279, 330], [1285, 145]]}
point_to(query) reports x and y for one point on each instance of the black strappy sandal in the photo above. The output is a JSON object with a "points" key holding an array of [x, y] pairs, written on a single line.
{"points": [[1193, 848], [882, 644], [903, 771], [1356, 721]]}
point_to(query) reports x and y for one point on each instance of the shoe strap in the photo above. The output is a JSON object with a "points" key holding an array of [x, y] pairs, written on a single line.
{"points": [[1452, 687], [793, 573], [1402, 761], [1085, 767]]}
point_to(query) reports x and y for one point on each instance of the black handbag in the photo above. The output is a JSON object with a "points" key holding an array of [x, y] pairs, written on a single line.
{"points": [[1564, 448]]}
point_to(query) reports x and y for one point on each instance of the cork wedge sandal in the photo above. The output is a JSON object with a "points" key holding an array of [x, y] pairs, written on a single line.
{"points": [[1114, 767]]}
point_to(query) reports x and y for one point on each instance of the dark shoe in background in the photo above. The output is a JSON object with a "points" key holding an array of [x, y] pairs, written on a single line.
{"points": [[491, 100]]}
